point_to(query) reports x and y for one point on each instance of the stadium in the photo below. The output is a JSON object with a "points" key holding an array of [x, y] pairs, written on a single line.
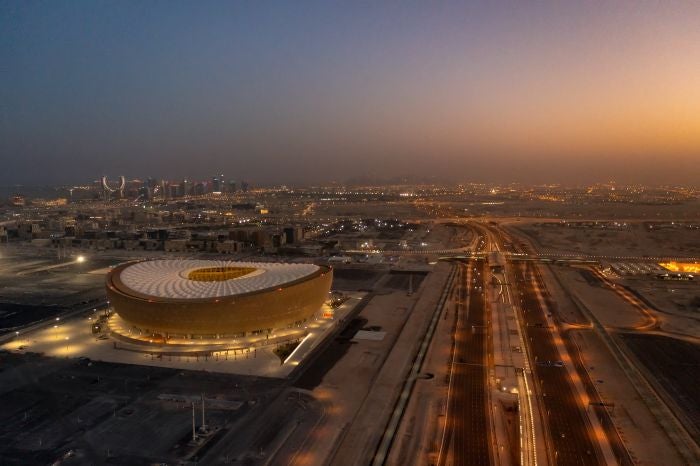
{"points": [[206, 299]]}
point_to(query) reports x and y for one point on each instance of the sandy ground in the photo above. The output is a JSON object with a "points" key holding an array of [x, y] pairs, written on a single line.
{"points": [[565, 308], [607, 306], [672, 299], [366, 428], [636, 240], [359, 389], [417, 438], [637, 427], [670, 296]]}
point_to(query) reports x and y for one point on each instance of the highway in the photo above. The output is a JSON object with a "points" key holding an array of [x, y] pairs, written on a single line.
{"points": [[571, 438], [524, 376], [570, 433], [471, 427], [467, 431]]}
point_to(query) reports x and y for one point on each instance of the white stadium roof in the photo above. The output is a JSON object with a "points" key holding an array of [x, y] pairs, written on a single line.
{"points": [[168, 278]]}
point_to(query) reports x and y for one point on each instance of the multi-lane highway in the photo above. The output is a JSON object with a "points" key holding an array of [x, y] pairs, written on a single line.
{"points": [[559, 426], [471, 425], [571, 438], [466, 436], [571, 435]]}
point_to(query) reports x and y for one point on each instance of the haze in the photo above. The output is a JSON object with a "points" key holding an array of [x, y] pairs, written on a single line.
{"points": [[305, 92]]}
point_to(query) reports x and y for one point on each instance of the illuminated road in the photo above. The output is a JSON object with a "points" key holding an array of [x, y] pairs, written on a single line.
{"points": [[571, 438], [570, 432], [466, 439], [12, 333]]}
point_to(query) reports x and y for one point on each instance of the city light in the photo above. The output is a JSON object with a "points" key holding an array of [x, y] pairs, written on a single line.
{"points": [[330, 234], [681, 267]]}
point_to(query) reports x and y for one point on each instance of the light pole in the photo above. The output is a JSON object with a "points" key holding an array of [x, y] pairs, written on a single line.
{"points": [[194, 432]]}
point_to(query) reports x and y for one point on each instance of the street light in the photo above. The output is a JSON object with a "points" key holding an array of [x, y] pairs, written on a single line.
{"points": [[80, 259]]}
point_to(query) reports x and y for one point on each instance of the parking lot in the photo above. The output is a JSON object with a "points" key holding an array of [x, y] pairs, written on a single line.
{"points": [[90, 412]]}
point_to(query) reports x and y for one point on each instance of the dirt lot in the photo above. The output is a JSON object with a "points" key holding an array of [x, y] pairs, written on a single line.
{"points": [[355, 278], [637, 426], [635, 240], [603, 302], [675, 364], [105, 412]]}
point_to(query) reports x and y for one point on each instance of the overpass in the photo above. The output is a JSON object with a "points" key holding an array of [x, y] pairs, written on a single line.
{"points": [[551, 257]]}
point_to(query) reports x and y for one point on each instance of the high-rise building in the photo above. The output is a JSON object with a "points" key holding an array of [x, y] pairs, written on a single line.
{"points": [[217, 184], [199, 189], [145, 193]]}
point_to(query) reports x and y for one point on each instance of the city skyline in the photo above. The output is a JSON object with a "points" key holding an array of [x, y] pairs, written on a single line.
{"points": [[307, 93]]}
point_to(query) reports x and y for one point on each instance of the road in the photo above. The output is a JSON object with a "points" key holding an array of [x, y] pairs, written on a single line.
{"points": [[466, 439], [472, 428], [33, 326], [571, 438]]}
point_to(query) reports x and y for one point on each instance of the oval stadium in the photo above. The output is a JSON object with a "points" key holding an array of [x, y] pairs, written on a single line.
{"points": [[216, 299]]}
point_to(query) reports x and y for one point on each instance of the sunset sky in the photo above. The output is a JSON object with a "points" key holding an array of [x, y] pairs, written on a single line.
{"points": [[307, 92]]}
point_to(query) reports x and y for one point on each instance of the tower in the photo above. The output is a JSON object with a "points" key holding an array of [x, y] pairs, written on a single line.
{"points": [[107, 190]]}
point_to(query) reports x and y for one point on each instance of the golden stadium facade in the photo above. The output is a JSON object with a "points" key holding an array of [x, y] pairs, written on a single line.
{"points": [[215, 299]]}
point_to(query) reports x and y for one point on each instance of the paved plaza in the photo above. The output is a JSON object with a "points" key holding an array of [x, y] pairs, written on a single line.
{"points": [[73, 338]]}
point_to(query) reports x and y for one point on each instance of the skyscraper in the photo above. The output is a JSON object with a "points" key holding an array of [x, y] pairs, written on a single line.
{"points": [[217, 184]]}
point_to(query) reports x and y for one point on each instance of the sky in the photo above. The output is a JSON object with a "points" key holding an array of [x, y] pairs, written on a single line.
{"points": [[301, 92]]}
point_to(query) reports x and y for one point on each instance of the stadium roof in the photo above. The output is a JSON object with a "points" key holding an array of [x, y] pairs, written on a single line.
{"points": [[174, 278]]}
